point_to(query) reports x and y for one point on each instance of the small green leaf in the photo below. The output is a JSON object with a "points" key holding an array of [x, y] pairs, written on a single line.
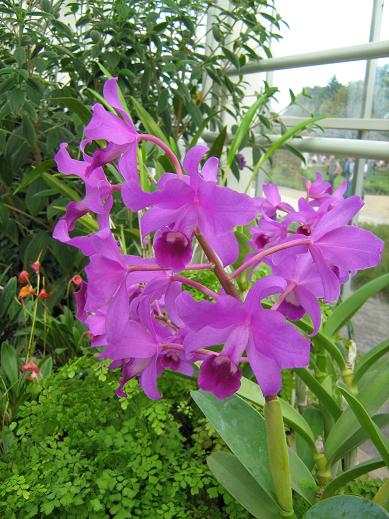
{"points": [[367, 424], [35, 173], [75, 106], [57, 183], [352, 304], [346, 507], [244, 128], [231, 474]]}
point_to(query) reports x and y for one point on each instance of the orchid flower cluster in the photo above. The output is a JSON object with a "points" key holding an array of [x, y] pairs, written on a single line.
{"points": [[140, 310]]}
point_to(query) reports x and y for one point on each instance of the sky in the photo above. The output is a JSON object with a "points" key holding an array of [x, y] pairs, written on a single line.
{"points": [[318, 25]]}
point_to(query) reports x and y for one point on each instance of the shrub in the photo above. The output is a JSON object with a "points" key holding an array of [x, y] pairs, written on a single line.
{"points": [[81, 452]]}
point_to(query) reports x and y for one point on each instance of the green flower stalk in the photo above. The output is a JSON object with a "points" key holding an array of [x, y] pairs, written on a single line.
{"points": [[278, 455]]}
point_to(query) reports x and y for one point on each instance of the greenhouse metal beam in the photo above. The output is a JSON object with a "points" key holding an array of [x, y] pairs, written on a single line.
{"points": [[364, 51], [343, 123], [378, 150]]}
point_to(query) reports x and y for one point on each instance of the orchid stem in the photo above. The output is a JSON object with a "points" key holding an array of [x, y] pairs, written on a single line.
{"points": [[278, 456], [220, 273], [195, 284], [271, 250], [174, 160], [152, 268]]}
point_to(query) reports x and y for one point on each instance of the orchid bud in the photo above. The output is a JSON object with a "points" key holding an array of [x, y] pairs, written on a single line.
{"points": [[36, 266], [43, 294], [23, 277], [77, 280]]}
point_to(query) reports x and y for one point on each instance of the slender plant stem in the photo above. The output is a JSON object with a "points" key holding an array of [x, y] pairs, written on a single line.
{"points": [[266, 252], [174, 160], [220, 273], [151, 268], [195, 284], [31, 339], [201, 351]]}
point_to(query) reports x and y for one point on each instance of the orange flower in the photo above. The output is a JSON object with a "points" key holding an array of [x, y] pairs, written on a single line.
{"points": [[23, 277], [26, 291]]}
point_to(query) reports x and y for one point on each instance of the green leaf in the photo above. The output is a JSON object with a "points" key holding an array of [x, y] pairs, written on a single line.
{"points": [[370, 358], [321, 340], [321, 393], [7, 296], [346, 507], [243, 430], [46, 366], [231, 474], [35, 173], [9, 363], [367, 424], [244, 128], [16, 99], [274, 147], [352, 304], [250, 390], [216, 149], [373, 393], [150, 125], [75, 106], [57, 183], [343, 478]]}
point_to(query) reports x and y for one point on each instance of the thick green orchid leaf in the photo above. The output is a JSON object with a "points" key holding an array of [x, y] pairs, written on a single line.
{"points": [[346, 507]]}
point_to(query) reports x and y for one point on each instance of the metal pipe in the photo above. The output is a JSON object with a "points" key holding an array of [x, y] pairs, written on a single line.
{"points": [[328, 146], [379, 49], [344, 123]]}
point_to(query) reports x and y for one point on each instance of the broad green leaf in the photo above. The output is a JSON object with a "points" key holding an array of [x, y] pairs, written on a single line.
{"points": [[276, 145], [9, 363], [367, 424], [201, 129], [320, 392], [346, 507], [373, 393], [251, 391], [150, 125], [75, 106], [244, 128], [35, 173], [352, 304], [243, 430], [315, 420], [344, 477], [370, 358], [231, 474]]}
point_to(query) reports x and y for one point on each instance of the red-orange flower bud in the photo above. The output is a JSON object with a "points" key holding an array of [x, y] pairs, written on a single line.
{"points": [[23, 277], [36, 266], [77, 280], [43, 294], [33, 368]]}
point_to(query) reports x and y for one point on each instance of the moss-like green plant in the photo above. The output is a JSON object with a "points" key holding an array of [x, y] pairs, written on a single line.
{"points": [[80, 452]]}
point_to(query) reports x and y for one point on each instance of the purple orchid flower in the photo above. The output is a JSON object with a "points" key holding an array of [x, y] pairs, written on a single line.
{"points": [[271, 202], [337, 248], [180, 207], [304, 287], [267, 232], [98, 196], [270, 341], [318, 188]]}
